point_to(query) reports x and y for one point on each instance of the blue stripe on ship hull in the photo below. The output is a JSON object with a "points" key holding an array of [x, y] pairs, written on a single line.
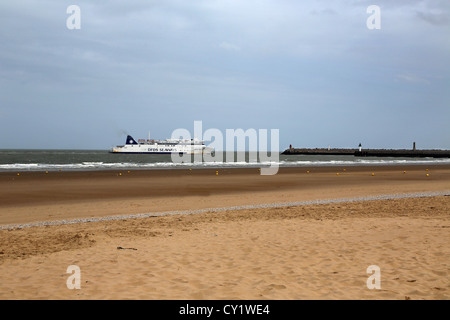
{"points": [[147, 152]]}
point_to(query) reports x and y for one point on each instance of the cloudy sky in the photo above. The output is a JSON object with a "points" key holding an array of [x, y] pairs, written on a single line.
{"points": [[312, 69]]}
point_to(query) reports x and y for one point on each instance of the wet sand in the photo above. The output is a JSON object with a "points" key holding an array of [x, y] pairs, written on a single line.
{"points": [[38, 196], [293, 252]]}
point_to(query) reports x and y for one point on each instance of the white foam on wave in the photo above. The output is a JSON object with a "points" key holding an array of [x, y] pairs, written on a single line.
{"points": [[161, 165], [362, 162]]}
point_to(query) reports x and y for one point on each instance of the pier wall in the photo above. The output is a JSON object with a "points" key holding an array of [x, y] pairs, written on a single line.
{"points": [[371, 152]]}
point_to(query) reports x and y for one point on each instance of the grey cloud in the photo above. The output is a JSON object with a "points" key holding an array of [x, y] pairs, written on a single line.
{"points": [[326, 11], [436, 19], [152, 65]]}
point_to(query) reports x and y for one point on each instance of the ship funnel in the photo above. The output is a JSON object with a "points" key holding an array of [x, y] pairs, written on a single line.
{"points": [[130, 140]]}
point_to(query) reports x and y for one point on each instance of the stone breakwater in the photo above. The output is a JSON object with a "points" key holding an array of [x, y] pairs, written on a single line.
{"points": [[371, 152]]}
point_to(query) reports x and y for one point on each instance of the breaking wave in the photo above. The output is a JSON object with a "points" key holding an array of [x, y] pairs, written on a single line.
{"points": [[100, 165]]}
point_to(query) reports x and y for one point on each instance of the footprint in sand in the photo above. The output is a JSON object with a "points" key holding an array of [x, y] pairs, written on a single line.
{"points": [[276, 286]]}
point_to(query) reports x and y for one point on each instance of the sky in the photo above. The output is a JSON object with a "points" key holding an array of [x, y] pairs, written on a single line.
{"points": [[312, 69]]}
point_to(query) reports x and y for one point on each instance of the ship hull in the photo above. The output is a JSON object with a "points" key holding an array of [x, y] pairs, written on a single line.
{"points": [[153, 152], [130, 152], [162, 147]]}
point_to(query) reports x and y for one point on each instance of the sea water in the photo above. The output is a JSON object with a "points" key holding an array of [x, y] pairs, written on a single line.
{"points": [[75, 160]]}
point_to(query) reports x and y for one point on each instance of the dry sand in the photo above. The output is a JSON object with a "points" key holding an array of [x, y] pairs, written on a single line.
{"points": [[294, 252]]}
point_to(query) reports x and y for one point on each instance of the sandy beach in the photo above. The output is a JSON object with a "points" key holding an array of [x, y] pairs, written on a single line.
{"points": [[309, 251]]}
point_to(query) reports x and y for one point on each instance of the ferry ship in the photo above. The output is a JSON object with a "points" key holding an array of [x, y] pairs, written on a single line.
{"points": [[168, 146]]}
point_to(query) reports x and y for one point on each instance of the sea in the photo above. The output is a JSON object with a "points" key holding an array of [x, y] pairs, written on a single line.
{"points": [[87, 160]]}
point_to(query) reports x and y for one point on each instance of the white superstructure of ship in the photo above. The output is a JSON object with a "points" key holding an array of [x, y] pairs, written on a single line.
{"points": [[168, 146]]}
